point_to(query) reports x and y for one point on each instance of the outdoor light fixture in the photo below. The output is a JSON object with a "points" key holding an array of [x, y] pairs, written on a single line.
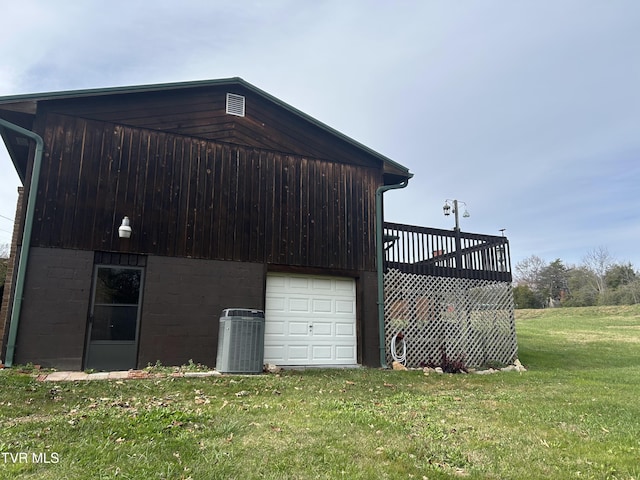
{"points": [[451, 206], [125, 229]]}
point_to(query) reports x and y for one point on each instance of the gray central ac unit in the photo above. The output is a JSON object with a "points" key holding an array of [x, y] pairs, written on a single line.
{"points": [[241, 341]]}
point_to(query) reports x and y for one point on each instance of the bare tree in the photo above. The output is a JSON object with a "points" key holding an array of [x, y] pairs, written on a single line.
{"points": [[528, 271], [598, 261]]}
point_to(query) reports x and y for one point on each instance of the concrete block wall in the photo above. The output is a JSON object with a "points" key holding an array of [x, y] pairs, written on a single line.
{"points": [[182, 302], [54, 313]]}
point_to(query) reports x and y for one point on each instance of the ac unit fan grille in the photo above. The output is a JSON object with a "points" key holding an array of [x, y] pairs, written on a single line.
{"points": [[241, 345]]}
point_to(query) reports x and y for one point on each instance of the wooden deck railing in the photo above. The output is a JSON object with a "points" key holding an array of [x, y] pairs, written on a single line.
{"points": [[446, 253]]}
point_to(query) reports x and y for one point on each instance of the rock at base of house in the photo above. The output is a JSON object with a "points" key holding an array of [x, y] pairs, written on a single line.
{"points": [[271, 368], [398, 366]]}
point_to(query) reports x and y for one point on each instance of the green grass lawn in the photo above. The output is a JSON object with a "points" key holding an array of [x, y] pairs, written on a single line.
{"points": [[574, 414]]}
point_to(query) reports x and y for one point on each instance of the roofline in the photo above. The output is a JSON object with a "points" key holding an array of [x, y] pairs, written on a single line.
{"points": [[94, 92]]}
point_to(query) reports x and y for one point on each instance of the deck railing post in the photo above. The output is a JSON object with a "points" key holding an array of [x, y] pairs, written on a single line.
{"points": [[458, 249]]}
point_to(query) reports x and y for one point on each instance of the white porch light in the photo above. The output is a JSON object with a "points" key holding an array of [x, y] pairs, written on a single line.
{"points": [[125, 229]]}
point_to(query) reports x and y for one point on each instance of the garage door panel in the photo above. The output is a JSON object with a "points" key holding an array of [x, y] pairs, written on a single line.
{"points": [[322, 305], [298, 283], [344, 285], [275, 327], [277, 354], [322, 284], [277, 282], [298, 328], [299, 353], [276, 303], [310, 320], [322, 329], [344, 306], [345, 352], [323, 353], [299, 305]]}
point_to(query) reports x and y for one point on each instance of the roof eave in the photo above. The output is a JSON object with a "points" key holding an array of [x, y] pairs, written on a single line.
{"points": [[27, 103]]}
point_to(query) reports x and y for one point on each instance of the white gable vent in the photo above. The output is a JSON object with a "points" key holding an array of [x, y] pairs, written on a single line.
{"points": [[235, 104]]}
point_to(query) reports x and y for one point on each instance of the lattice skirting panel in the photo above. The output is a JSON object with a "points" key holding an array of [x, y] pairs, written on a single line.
{"points": [[464, 319]]}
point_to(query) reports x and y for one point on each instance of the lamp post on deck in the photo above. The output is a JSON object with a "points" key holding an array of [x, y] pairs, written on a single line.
{"points": [[451, 206]]}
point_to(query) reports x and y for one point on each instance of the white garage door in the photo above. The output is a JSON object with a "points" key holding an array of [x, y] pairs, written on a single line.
{"points": [[310, 320]]}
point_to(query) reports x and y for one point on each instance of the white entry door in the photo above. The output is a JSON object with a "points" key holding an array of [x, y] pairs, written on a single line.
{"points": [[310, 320]]}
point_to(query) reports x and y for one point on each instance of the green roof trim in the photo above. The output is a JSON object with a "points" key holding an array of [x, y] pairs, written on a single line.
{"points": [[96, 92]]}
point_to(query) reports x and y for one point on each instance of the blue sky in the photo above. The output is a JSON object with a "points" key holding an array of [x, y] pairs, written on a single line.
{"points": [[528, 111]]}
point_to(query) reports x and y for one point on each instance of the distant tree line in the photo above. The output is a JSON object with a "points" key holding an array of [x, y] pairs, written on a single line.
{"points": [[598, 280]]}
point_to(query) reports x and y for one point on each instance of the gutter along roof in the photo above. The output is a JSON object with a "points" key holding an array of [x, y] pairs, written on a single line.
{"points": [[26, 104]]}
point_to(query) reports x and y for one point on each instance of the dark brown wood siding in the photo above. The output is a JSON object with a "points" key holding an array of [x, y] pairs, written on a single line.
{"points": [[201, 113], [189, 197]]}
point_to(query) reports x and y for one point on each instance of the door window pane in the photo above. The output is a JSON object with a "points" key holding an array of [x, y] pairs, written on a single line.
{"points": [[118, 286], [112, 322]]}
